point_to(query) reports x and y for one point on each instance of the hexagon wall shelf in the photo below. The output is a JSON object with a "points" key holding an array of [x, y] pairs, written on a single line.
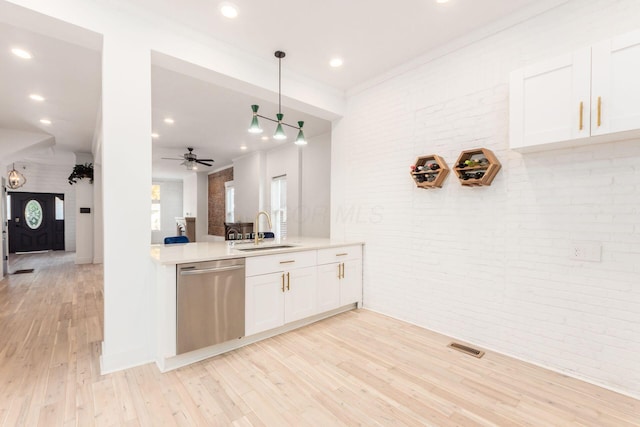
{"points": [[429, 171], [476, 168]]}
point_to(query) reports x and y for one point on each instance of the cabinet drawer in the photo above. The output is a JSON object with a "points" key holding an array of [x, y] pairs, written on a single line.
{"points": [[327, 256], [279, 262]]}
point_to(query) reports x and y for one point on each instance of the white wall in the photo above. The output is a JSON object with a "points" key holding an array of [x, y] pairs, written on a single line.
{"points": [[195, 190], [490, 265], [315, 180], [98, 216], [84, 221], [190, 195], [248, 179], [171, 204], [52, 179]]}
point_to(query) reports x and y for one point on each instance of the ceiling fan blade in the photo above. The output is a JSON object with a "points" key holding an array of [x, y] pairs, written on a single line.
{"points": [[206, 160], [172, 158], [204, 163]]}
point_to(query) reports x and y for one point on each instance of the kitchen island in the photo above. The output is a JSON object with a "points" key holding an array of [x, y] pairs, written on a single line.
{"points": [[287, 284]]}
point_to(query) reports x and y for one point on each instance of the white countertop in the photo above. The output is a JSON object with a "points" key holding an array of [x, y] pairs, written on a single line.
{"points": [[207, 251]]}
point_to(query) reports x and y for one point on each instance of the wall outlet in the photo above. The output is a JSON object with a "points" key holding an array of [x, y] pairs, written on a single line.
{"points": [[586, 251]]}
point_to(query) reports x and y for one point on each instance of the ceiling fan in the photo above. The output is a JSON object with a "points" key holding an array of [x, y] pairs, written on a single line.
{"points": [[190, 160]]}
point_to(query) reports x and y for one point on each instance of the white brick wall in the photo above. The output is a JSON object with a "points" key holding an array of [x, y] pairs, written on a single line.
{"points": [[490, 265]]}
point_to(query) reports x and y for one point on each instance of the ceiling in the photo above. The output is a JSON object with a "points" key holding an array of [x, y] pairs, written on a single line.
{"points": [[371, 37]]}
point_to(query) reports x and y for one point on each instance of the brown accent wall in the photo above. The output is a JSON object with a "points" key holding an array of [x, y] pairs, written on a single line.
{"points": [[216, 200]]}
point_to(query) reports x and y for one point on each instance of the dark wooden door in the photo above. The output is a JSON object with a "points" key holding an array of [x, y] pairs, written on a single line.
{"points": [[33, 225]]}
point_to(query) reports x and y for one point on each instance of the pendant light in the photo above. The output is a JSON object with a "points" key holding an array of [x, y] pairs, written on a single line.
{"points": [[279, 133], [16, 179]]}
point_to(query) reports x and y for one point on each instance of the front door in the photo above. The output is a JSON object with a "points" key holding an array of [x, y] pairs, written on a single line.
{"points": [[36, 222]]}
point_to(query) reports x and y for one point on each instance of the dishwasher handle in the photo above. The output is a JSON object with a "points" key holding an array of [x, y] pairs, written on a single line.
{"points": [[210, 270]]}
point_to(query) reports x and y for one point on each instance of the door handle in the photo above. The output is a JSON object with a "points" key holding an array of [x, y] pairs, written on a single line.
{"points": [[210, 270], [581, 113], [288, 281], [282, 283]]}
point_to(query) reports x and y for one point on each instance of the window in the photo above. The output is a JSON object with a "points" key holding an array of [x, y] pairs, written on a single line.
{"points": [[9, 206], [155, 207], [33, 214], [59, 208], [279, 206], [229, 201]]}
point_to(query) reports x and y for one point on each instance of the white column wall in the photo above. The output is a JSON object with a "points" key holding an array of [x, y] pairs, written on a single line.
{"points": [[315, 182], [126, 162], [98, 216], [202, 206], [84, 221]]}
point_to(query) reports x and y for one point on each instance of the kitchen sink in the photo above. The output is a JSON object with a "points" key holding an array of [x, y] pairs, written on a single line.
{"points": [[263, 247]]}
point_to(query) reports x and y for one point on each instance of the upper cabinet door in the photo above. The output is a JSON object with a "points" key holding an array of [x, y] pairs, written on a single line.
{"points": [[615, 104], [550, 101]]}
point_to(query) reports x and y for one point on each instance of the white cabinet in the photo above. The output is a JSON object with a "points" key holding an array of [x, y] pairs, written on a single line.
{"points": [[615, 84], [279, 289], [339, 277], [588, 96]]}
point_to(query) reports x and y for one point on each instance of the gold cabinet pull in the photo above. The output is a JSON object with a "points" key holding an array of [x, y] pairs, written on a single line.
{"points": [[339, 271], [282, 282], [288, 262], [341, 268], [343, 254], [288, 281], [581, 112], [599, 111]]}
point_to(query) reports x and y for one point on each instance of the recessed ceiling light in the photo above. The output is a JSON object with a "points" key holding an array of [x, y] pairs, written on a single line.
{"points": [[265, 138], [36, 97], [21, 53], [336, 62], [45, 121], [228, 10], [243, 147], [169, 120], [155, 135]]}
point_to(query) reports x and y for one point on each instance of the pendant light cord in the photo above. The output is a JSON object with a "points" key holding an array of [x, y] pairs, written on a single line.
{"points": [[280, 85]]}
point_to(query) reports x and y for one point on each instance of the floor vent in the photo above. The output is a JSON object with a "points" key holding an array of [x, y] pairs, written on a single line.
{"points": [[467, 350], [28, 270]]}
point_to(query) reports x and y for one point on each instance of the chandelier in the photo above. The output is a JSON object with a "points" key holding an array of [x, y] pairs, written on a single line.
{"points": [[279, 133], [16, 179]]}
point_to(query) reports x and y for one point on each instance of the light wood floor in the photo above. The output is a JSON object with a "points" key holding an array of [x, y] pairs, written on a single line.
{"points": [[358, 368]]}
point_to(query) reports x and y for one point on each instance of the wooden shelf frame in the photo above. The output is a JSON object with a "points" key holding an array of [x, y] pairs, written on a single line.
{"points": [[467, 174], [436, 177]]}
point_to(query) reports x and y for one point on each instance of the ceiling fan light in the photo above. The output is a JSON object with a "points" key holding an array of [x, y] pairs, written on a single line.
{"points": [[192, 165]]}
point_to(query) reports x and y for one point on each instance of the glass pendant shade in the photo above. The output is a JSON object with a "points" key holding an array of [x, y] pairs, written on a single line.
{"points": [[300, 140], [192, 166], [16, 179], [279, 134], [255, 126]]}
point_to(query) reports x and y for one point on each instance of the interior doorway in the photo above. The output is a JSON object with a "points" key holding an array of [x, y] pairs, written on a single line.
{"points": [[35, 221]]}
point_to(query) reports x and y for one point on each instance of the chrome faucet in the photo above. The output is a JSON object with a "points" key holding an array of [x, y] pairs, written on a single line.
{"points": [[257, 239]]}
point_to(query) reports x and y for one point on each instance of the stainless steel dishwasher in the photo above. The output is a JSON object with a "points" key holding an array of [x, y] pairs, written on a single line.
{"points": [[210, 303]]}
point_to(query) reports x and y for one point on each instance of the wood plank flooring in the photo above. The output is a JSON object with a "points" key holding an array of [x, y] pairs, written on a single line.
{"points": [[358, 368]]}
